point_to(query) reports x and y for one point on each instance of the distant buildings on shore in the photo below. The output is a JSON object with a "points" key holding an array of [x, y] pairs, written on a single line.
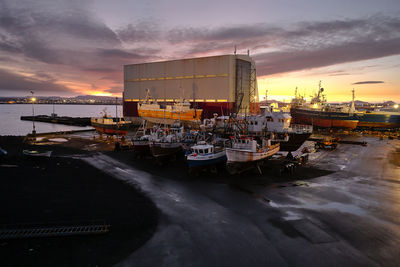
{"points": [[83, 99], [108, 100]]}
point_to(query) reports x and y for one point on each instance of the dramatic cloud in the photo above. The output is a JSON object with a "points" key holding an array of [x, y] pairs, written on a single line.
{"points": [[142, 32], [293, 60], [65, 39], [302, 46], [24, 84], [368, 82]]}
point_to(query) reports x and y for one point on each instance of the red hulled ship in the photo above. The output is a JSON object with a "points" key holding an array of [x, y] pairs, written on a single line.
{"points": [[320, 114]]}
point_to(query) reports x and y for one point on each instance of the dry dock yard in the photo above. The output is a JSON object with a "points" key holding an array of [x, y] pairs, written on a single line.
{"points": [[349, 216], [340, 209]]}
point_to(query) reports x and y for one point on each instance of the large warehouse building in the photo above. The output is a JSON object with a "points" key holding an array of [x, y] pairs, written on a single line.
{"points": [[219, 84]]}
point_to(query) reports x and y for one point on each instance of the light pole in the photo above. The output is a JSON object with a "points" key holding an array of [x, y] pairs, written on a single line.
{"points": [[33, 99]]}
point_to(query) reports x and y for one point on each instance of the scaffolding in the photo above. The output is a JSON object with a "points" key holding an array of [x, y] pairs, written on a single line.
{"points": [[253, 92]]}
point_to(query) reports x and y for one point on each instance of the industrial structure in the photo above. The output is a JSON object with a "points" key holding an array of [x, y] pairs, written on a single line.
{"points": [[223, 84]]}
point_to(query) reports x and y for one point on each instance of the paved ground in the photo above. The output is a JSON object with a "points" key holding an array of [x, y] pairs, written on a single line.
{"points": [[347, 218]]}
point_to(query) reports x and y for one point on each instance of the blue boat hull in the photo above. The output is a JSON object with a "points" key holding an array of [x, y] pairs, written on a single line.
{"points": [[379, 120], [206, 162]]}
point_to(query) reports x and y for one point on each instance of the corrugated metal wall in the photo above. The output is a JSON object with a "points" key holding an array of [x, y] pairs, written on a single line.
{"points": [[203, 79], [217, 83]]}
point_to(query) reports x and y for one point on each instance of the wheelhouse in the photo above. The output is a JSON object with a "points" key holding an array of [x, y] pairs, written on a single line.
{"points": [[203, 149]]}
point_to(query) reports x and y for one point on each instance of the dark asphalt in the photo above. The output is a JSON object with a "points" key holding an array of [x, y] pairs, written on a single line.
{"points": [[347, 218]]}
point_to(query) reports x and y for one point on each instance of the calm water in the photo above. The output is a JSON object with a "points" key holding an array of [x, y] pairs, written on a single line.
{"points": [[10, 123]]}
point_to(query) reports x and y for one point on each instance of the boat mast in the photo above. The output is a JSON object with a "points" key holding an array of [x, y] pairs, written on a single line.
{"points": [[352, 107], [319, 89]]}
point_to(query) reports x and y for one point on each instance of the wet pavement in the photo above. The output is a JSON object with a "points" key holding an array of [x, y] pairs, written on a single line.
{"points": [[349, 217]]}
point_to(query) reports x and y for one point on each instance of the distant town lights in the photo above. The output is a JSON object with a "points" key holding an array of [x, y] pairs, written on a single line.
{"points": [[33, 99], [315, 105], [396, 106]]}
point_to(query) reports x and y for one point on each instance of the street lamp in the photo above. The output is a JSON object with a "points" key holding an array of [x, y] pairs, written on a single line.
{"points": [[33, 99]]}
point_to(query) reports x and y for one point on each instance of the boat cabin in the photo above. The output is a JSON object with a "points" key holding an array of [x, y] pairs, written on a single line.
{"points": [[202, 149], [277, 121], [270, 121], [245, 144]]}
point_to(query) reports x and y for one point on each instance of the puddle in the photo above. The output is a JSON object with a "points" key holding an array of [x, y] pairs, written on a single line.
{"points": [[341, 167], [290, 216], [122, 170], [348, 208], [345, 208]]}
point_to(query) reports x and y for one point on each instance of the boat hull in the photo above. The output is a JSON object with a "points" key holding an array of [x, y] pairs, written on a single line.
{"points": [[242, 156], [295, 141], [378, 120], [141, 146], [162, 150], [111, 129], [203, 161], [209, 108], [324, 119], [190, 115]]}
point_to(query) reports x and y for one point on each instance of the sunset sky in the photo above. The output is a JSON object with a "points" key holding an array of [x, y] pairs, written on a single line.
{"points": [[69, 48]]}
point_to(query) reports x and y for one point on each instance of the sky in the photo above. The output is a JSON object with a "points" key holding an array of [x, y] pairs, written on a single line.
{"points": [[68, 48]]}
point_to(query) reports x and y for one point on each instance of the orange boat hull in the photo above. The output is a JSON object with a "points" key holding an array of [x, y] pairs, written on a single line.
{"points": [[191, 115]]}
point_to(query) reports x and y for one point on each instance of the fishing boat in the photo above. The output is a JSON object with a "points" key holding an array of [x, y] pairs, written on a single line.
{"points": [[191, 138], [246, 149], [36, 153], [165, 148], [141, 144], [166, 142], [141, 140], [109, 125], [320, 114], [205, 155], [277, 126], [150, 110]]}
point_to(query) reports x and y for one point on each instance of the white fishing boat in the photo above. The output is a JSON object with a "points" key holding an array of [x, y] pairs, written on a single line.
{"points": [[166, 142], [246, 149], [205, 155], [141, 140], [141, 144], [277, 125]]}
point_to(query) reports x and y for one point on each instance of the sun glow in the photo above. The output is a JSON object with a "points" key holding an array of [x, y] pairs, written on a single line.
{"points": [[100, 93]]}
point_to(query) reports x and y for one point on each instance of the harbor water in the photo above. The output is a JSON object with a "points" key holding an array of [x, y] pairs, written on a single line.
{"points": [[11, 124]]}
